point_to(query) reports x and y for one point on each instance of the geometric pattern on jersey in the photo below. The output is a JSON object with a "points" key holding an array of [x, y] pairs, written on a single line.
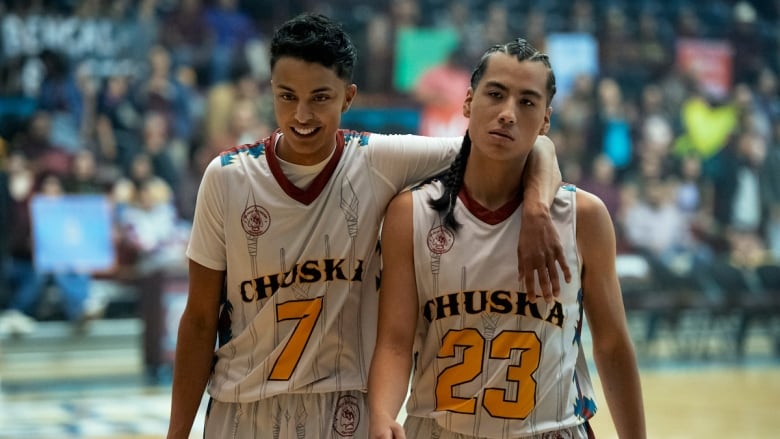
{"points": [[299, 304], [489, 363]]}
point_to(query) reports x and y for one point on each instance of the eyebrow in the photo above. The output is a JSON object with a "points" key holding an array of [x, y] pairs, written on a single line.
{"points": [[502, 87], [316, 90]]}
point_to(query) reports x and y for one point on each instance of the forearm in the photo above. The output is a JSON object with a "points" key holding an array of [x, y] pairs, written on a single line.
{"points": [[192, 368], [622, 388], [388, 383], [542, 177]]}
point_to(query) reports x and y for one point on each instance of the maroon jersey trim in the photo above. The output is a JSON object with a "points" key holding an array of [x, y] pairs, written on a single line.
{"points": [[305, 196], [485, 215]]}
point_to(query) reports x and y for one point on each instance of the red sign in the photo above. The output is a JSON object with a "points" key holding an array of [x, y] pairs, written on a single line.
{"points": [[709, 63]]}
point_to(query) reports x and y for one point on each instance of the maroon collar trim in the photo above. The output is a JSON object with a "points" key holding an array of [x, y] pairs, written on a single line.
{"points": [[310, 194], [485, 215]]}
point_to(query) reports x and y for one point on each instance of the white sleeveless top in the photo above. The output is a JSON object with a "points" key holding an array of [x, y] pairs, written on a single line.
{"points": [[488, 363]]}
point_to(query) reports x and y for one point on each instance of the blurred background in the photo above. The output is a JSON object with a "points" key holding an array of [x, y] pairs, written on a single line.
{"points": [[110, 110]]}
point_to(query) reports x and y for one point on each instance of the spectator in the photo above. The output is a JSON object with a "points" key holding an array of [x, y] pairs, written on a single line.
{"points": [[27, 282], [582, 17], [167, 156], [576, 117], [601, 181], [748, 44], [185, 32], [770, 184], [707, 125], [68, 97], [459, 17], [118, 122], [440, 90], [767, 102], [150, 227], [613, 125], [36, 145], [654, 47], [161, 92], [220, 99], [232, 30], [655, 226], [246, 126], [739, 200]]}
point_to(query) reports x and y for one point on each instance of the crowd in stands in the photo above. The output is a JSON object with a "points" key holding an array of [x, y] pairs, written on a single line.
{"points": [[131, 99]]}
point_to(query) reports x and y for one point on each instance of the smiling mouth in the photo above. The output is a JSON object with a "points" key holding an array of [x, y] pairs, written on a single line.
{"points": [[304, 132]]}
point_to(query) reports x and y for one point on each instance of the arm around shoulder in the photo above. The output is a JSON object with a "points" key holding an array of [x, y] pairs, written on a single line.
{"points": [[539, 248]]}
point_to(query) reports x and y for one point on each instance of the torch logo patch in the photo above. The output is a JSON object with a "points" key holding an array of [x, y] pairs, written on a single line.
{"points": [[440, 240], [255, 220]]}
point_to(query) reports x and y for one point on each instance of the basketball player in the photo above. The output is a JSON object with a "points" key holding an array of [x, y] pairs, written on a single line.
{"points": [[489, 360], [284, 260]]}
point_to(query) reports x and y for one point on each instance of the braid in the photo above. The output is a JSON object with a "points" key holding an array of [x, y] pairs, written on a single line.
{"points": [[453, 181]]}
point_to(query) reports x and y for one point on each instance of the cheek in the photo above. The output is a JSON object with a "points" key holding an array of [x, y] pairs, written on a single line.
{"points": [[330, 112], [281, 109]]}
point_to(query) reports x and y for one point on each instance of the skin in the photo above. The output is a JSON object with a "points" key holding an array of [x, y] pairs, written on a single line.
{"points": [[507, 111], [308, 96], [308, 102]]}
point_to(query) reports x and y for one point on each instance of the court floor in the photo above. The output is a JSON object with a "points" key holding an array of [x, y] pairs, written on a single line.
{"points": [[718, 397]]}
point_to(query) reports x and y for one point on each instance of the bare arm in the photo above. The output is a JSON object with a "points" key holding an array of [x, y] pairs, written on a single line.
{"points": [[613, 350], [391, 364], [540, 248], [194, 347]]}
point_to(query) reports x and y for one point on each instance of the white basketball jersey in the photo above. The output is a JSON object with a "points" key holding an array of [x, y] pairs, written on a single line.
{"points": [[488, 362], [299, 312]]}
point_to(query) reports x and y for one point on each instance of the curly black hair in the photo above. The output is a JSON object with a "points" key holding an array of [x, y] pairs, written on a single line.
{"points": [[317, 39]]}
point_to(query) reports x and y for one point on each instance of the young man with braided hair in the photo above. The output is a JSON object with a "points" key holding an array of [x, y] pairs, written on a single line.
{"points": [[487, 359], [283, 254]]}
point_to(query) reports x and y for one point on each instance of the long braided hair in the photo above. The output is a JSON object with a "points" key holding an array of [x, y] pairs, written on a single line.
{"points": [[453, 178]]}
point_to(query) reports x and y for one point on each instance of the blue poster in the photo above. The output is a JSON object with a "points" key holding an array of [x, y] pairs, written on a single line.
{"points": [[72, 233], [571, 54]]}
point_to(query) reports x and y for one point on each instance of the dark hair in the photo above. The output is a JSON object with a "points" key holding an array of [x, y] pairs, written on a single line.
{"points": [[523, 51], [453, 178], [317, 39]]}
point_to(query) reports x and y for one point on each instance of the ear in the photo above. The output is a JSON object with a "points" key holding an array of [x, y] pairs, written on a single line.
{"points": [[467, 102], [351, 92], [546, 125]]}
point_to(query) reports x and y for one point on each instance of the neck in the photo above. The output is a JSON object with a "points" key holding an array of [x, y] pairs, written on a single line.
{"points": [[308, 158], [491, 183]]}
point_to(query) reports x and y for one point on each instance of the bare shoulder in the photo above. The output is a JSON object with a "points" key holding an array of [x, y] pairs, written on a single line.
{"points": [[400, 205], [398, 217], [593, 220]]}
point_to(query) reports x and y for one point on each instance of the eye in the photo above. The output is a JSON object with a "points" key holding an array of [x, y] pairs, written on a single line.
{"points": [[321, 98], [286, 97], [494, 94]]}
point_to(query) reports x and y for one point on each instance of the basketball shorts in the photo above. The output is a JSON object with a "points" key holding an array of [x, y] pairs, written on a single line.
{"points": [[340, 415]]}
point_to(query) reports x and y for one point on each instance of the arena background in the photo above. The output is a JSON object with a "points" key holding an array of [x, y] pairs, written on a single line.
{"points": [[668, 110]]}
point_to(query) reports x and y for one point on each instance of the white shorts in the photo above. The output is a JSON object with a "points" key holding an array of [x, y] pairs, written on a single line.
{"points": [[425, 428], [290, 416]]}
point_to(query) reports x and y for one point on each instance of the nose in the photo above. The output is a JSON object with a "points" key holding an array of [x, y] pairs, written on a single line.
{"points": [[302, 112], [507, 116]]}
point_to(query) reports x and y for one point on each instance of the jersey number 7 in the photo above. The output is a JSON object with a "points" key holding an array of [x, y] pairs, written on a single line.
{"points": [[306, 312]]}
